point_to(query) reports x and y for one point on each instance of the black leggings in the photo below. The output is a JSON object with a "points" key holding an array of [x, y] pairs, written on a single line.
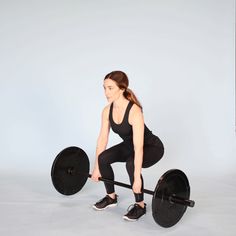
{"points": [[153, 151]]}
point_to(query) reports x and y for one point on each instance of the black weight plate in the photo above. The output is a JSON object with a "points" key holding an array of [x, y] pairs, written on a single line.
{"points": [[70, 170], [164, 212]]}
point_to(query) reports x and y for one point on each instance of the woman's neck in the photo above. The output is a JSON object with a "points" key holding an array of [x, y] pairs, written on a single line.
{"points": [[120, 103]]}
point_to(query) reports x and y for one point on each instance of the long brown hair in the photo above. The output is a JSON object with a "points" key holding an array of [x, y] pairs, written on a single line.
{"points": [[122, 82]]}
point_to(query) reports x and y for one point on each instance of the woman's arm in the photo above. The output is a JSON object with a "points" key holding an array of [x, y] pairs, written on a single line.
{"points": [[102, 140], [137, 122]]}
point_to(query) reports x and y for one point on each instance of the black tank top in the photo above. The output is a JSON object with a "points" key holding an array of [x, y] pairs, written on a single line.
{"points": [[124, 129]]}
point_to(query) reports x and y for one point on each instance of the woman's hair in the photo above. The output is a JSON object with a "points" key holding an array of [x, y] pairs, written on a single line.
{"points": [[122, 82]]}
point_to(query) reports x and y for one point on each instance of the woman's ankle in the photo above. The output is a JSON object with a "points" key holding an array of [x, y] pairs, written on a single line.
{"points": [[141, 204], [112, 195]]}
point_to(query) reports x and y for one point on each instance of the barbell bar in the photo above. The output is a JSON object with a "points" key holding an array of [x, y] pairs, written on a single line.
{"points": [[173, 198], [70, 171]]}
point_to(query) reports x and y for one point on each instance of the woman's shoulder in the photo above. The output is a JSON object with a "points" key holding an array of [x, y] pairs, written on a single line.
{"points": [[107, 107], [135, 113], [106, 110], [135, 109]]}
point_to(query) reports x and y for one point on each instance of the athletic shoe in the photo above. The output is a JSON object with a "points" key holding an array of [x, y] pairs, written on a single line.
{"points": [[135, 212], [105, 203]]}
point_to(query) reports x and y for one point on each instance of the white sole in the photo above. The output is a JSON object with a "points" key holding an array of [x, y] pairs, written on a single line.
{"points": [[132, 220], [128, 219], [101, 209]]}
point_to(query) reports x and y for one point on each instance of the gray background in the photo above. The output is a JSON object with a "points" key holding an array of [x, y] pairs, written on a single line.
{"points": [[179, 56]]}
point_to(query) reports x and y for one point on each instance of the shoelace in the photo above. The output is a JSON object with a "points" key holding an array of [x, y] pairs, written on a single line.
{"points": [[133, 207], [106, 197]]}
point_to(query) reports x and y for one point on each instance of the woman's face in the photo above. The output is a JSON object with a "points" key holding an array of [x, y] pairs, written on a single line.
{"points": [[112, 91]]}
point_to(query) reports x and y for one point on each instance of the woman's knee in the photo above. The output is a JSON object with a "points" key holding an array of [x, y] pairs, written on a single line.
{"points": [[103, 159]]}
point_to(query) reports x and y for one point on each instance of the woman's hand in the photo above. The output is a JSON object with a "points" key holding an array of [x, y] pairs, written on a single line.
{"points": [[96, 174], [137, 184]]}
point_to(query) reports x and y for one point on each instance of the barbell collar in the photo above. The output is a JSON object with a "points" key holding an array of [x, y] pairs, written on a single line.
{"points": [[179, 200]]}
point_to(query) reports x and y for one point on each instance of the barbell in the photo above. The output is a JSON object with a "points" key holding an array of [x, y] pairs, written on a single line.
{"points": [[171, 197]]}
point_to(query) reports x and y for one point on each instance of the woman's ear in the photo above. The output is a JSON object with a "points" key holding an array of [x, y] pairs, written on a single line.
{"points": [[123, 90]]}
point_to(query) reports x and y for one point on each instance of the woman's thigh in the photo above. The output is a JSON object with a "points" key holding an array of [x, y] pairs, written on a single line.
{"points": [[117, 153]]}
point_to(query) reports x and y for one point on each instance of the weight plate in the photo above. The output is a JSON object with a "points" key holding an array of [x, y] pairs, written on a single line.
{"points": [[70, 170], [164, 212]]}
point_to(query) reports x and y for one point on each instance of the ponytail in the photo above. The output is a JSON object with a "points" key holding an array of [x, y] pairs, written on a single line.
{"points": [[129, 94]]}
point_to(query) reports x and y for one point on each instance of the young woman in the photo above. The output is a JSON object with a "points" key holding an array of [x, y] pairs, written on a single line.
{"points": [[140, 147]]}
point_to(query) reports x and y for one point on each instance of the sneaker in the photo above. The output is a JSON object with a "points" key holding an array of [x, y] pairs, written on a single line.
{"points": [[135, 212], [105, 203]]}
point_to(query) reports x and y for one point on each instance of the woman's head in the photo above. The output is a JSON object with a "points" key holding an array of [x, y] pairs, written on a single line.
{"points": [[117, 83], [120, 78]]}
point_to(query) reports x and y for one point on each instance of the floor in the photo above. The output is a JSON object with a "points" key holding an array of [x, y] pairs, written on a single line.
{"points": [[31, 206]]}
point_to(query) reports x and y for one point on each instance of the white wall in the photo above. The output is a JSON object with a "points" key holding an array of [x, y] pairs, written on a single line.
{"points": [[179, 56]]}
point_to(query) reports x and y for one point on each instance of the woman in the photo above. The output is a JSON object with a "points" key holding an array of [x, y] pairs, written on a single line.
{"points": [[139, 149]]}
